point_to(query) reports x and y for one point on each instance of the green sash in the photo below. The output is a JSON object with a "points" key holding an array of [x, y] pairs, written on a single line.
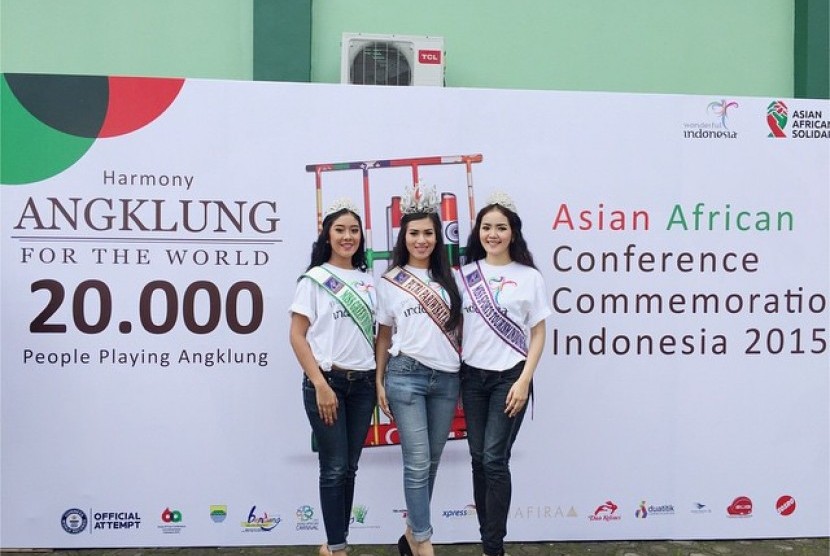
{"points": [[355, 306]]}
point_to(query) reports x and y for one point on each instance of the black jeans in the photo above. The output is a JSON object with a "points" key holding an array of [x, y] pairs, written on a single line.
{"points": [[490, 435], [339, 446]]}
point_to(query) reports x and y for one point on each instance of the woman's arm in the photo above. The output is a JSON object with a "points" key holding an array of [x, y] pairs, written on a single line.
{"points": [[326, 398], [519, 392], [384, 341]]}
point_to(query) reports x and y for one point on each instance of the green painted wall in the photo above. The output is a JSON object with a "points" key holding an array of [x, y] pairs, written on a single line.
{"points": [[730, 47], [812, 49], [282, 40], [166, 38]]}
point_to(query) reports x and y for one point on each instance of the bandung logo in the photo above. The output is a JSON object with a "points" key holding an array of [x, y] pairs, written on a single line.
{"points": [[218, 513], [740, 507], [785, 505], [73, 521], [256, 523], [605, 512], [777, 118]]}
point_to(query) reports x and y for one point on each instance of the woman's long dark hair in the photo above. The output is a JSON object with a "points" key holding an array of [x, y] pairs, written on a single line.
{"points": [[439, 264], [518, 249], [321, 250]]}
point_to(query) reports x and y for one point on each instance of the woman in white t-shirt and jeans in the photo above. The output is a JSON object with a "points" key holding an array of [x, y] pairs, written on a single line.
{"points": [[332, 334], [419, 310], [505, 306]]}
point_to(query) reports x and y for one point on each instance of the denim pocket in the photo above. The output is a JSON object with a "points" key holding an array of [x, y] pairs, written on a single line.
{"points": [[405, 365]]}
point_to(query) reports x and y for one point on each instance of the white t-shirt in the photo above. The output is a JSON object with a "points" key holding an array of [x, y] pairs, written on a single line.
{"points": [[414, 333], [334, 337], [519, 292]]}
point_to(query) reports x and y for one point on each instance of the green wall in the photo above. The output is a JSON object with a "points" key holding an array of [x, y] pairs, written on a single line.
{"points": [[165, 38], [730, 47], [775, 48]]}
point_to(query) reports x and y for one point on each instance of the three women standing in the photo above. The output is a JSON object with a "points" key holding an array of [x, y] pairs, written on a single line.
{"points": [[416, 352], [418, 316], [332, 335], [504, 334]]}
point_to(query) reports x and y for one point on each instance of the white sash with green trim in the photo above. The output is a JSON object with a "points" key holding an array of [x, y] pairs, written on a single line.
{"points": [[510, 332], [355, 306], [431, 301]]}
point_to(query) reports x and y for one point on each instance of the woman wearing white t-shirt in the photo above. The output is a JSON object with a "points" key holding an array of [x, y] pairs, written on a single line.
{"points": [[505, 306], [332, 334], [419, 310]]}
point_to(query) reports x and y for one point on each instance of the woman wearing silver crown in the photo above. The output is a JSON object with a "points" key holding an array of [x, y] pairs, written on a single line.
{"points": [[505, 306], [419, 311], [332, 334]]}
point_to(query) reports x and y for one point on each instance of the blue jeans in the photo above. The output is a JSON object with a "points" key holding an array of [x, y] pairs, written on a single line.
{"points": [[339, 446], [423, 403], [490, 435]]}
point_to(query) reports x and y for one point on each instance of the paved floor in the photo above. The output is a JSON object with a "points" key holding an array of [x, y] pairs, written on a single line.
{"points": [[789, 547]]}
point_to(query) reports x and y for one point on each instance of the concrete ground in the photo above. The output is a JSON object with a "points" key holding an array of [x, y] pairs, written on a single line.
{"points": [[769, 547]]}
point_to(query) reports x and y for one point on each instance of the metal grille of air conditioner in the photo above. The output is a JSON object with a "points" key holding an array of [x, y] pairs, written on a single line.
{"points": [[381, 63]]}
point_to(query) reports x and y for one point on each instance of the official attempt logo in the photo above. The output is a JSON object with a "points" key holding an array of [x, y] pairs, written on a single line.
{"points": [[777, 115], [73, 521]]}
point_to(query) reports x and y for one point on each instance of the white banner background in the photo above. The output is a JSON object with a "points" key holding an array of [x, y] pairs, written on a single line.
{"points": [[682, 434]]}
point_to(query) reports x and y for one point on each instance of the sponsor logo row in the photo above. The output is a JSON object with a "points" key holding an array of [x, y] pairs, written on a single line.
{"points": [[741, 506], [782, 121], [172, 520]]}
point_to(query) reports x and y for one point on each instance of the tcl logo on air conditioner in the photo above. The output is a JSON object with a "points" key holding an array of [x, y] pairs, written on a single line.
{"points": [[429, 56]]}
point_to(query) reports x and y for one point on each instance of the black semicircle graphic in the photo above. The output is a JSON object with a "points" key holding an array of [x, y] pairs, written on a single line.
{"points": [[73, 104]]}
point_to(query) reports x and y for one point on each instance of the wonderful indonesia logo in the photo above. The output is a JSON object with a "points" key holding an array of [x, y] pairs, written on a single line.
{"points": [[715, 128]]}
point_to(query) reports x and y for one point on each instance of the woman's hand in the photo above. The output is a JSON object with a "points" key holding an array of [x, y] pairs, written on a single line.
{"points": [[326, 403], [516, 397], [383, 403]]}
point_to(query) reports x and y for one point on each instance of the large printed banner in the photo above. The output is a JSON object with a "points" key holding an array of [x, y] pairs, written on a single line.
{"points": [[153, 231]]}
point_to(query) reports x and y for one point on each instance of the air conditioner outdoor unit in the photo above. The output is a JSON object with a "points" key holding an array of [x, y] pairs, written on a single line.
{"points": [[391, 60]]}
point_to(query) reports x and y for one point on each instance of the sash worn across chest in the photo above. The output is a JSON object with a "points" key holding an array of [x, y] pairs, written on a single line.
{"points": [[504, 327], [431, 301], [355, 306]]}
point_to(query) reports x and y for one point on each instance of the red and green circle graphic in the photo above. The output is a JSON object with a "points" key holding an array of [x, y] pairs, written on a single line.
{"points": [[48, 122]]}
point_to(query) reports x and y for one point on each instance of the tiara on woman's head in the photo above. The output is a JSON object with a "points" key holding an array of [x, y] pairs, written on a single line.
{"points": [[343, 203], [502, 199], [419, 198]]}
